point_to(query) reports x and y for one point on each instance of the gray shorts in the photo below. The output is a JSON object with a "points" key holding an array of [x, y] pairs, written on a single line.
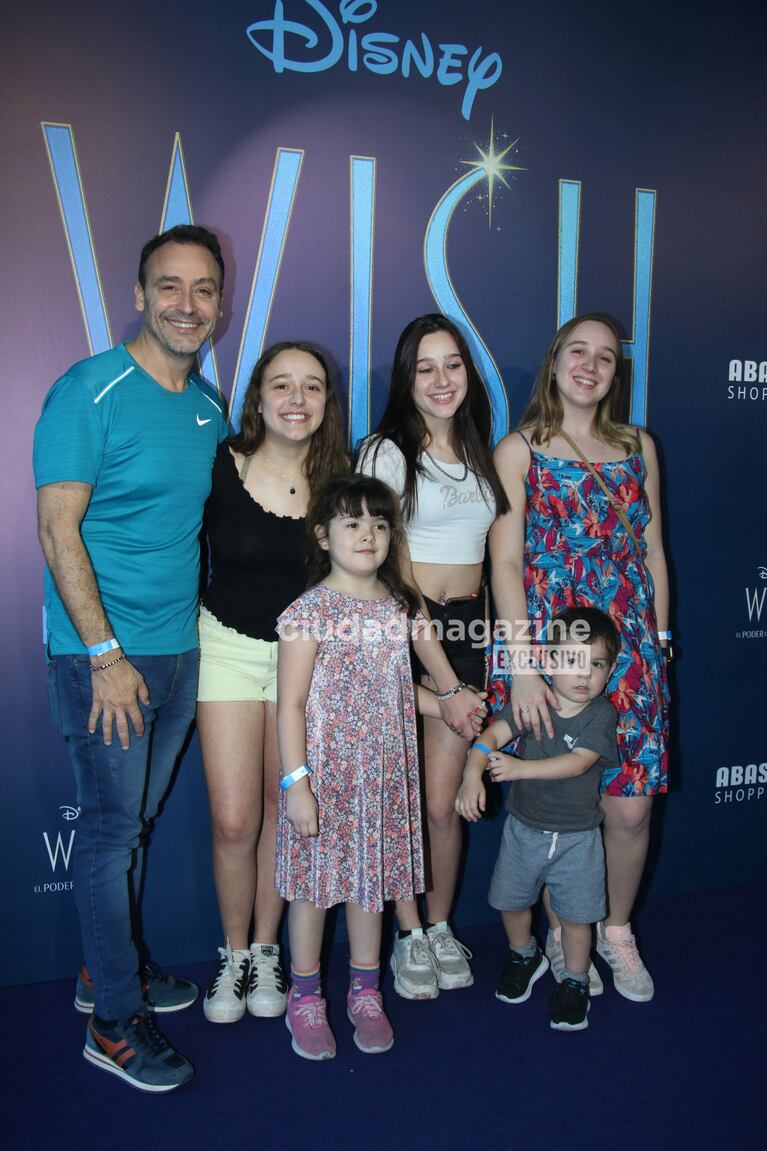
{"points": [[570, 863]]}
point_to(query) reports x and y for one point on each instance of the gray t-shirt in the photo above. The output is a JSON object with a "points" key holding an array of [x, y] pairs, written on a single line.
{"points": [[565, 804]]}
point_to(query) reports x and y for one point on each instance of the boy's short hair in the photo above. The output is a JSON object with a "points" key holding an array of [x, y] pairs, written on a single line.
{"points": [[593, 625]]}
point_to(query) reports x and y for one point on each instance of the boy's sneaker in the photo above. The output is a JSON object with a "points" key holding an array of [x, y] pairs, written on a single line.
{"points": [[569, 1006], [307, 1022], [617, 946], [372, 1030], [519, 975], [136, 1052], [267, 985], [452, 969], [161, 992], [414, 966], [225, 999], [556, 957]]}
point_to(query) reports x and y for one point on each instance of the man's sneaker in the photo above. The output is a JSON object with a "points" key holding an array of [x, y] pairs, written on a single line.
{"points": [[452, 969], [519, 975], [569, 1006], [135, 1051], [267, 985], [617, 946], [225, 999], [556, 957], [307, 1022], [161, 992], [414, 966], [372, 1030]]}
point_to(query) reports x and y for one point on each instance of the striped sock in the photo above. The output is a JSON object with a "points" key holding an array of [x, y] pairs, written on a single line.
{"points": [[363, 977], [305, 982]]}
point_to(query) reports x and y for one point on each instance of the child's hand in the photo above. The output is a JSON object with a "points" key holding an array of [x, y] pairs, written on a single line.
{"points": [[302, 811], [471, 798], [502, 767]]}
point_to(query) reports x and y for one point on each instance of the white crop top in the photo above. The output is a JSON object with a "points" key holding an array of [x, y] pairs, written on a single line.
{"points": [[452, 517]]}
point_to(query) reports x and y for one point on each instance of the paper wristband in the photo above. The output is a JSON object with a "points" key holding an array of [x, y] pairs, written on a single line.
{"points": [[288, 780]]}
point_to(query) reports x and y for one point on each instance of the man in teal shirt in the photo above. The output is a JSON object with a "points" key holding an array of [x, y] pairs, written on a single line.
{"points": [[123, 457]]}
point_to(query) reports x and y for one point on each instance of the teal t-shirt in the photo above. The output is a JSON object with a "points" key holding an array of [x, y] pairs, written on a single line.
{"points": [[148, 455]]}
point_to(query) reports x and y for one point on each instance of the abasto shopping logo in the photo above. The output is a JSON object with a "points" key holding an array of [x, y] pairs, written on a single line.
{"points": [[58, 853], [740, 783], [756, 607], [747, 380]]}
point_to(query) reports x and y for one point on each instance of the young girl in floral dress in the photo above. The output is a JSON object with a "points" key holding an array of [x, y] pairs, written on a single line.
{"points": [[349, 828]]}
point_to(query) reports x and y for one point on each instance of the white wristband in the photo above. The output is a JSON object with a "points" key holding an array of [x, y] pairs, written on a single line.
{"points": [[288, 780]]}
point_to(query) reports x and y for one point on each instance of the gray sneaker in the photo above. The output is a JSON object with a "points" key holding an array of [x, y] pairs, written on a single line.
{"points": [[414, 966], [452, 969], [618, 947], [556, 958]]}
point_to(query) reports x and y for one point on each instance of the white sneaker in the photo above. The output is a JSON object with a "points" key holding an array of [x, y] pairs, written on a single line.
{"points": [[414, 966], [556, 957], [224, 1000], [267, 985], [452, 969], [617, 946]]}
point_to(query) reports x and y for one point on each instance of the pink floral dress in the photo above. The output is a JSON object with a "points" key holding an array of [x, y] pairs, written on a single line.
{"points": [[362, 749]]}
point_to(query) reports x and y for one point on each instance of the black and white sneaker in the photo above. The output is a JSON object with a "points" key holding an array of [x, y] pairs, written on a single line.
{"points": [[569, 1006], [519, 975], [267, 985], [225, 999]]}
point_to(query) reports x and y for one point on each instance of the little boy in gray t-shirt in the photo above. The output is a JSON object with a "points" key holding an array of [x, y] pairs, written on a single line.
{"points": [[552, 834]]}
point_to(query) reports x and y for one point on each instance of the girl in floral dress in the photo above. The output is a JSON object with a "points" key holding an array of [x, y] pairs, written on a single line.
{"points": [[349, 828], [584, 529]]}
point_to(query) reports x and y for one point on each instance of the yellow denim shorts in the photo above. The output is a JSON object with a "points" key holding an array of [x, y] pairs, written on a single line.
{"points": [[233, 666]]}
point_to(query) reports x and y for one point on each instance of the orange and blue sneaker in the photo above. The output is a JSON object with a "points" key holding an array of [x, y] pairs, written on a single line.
{"points": [[161, 992], [135, 1051]]}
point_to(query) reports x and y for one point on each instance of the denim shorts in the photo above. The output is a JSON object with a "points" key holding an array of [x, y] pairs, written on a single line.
{"points": [[233, 666], [463, 628], [570, 863]]}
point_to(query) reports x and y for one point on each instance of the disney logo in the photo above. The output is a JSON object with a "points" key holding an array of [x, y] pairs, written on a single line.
{"points": [[69, 813], [383, 53], [762, 569]]}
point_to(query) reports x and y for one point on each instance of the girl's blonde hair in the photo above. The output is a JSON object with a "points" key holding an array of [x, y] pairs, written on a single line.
{"points": [[543, 415]]}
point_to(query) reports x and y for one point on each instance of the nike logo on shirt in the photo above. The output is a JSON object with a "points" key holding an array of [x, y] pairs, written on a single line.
{"points": [[202, 423]]}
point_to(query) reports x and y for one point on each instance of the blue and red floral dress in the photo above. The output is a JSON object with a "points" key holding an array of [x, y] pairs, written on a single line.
{"points": [[578, 553]]}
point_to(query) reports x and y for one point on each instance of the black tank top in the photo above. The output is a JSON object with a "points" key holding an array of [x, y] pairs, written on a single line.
{"points": [[257, 557]]}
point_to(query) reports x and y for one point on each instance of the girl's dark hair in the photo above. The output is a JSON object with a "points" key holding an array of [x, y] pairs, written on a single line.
{"points": [[542, 417], [352, 496], [327, 455], [404, 425]]}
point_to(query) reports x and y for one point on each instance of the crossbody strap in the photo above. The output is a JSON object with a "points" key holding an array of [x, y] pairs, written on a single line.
{"points": [[613, 502]]}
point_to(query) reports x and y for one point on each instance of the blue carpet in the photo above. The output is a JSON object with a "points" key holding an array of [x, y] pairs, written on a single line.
{"points": [[681, 1073]]}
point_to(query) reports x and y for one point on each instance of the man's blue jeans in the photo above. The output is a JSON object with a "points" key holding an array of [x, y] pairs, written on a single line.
{"points": [[119, 793]]}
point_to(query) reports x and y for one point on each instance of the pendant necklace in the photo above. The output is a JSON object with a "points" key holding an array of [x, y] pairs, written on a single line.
{"points": [[291, 483]]}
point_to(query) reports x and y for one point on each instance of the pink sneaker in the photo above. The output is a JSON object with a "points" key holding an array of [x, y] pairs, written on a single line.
{"points": [[372, 1030], [307, 1022]]}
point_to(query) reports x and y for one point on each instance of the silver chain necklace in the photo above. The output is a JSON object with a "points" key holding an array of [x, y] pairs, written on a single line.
{"points": [[455, 479]]}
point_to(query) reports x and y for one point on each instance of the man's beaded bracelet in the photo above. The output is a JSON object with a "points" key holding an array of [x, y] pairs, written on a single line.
{"points": [[104, 666], [443, 695]]}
